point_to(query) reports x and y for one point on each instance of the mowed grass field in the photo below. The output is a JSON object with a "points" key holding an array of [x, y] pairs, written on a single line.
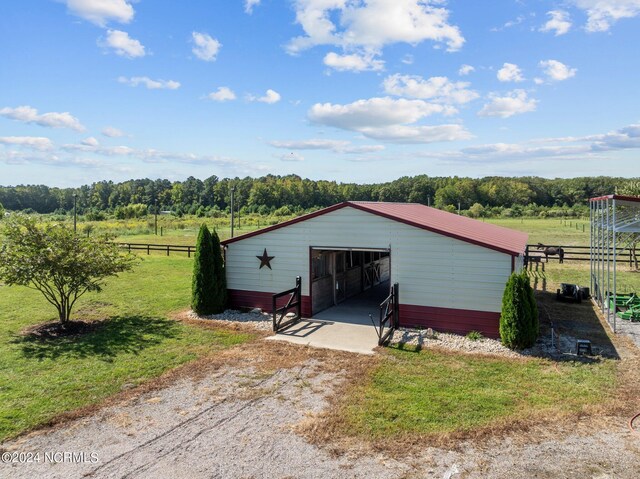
{"points": [[41, 379], [436, 393]]}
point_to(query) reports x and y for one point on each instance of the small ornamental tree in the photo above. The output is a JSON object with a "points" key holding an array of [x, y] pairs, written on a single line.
{"points": [[54, 260], [208, 287], [518, 328]]}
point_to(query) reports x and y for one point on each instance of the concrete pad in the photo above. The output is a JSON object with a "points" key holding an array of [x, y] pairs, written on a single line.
{"points": [[354, 338], [345, 327]]}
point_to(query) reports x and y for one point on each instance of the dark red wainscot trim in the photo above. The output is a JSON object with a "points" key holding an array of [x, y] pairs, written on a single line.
{"points": [[257, 299], [459, 321]]}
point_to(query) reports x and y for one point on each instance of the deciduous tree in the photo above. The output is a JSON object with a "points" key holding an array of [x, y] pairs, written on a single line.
{"points": [[52, 259]]}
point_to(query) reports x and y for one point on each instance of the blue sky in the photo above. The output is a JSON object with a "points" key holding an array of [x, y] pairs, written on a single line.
{"points": [[346, 90]]}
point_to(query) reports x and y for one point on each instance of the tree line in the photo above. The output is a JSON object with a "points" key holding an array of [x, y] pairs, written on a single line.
{"points": [[290, 194]]}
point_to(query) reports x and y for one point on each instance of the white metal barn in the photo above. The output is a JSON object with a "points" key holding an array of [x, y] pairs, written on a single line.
{"points": [[451, 270]]}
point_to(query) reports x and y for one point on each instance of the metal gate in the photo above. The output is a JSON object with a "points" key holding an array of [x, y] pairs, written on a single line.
{"points": [[389, 319], [281, 318]]}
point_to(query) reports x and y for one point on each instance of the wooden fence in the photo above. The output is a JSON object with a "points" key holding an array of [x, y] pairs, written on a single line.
{"points": [[165, 248], [577, 253]]}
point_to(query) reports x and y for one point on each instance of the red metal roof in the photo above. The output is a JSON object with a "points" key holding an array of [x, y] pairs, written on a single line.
{"points": [[635, 199], [465, 229]]}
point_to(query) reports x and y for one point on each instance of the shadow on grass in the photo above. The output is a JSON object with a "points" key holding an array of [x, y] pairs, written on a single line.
{"points": [[117, 335], [572, 321]]}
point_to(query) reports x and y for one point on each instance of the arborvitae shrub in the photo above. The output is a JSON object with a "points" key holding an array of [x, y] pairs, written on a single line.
{"points": [[220, 278], [203, 280], [519, 318]]}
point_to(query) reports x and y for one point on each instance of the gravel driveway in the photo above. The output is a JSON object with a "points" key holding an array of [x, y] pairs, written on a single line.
{"points": [[236, 418]]}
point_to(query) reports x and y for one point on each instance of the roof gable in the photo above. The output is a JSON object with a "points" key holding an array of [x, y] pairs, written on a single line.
{"points": [[487, 235]]}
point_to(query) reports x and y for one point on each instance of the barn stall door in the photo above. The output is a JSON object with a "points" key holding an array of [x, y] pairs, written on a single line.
{"points": [[340, 279]]}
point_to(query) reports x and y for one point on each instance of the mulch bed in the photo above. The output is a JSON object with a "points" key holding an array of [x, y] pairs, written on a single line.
{"points": [[55, 329]]}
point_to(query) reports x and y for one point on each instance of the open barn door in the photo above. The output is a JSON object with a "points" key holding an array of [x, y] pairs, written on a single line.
{"points": [[339, 273]]}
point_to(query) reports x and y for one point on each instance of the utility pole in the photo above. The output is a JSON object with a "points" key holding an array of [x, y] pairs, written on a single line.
{"points": [[75, 216], [458, 207], [428, 200], [155, 209], [233, 189]]}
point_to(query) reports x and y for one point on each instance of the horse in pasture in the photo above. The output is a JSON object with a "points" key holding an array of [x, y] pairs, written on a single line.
{"points": [[551, 251]]}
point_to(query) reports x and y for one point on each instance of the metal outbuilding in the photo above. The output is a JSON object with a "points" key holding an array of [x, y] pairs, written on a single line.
{"points": [[451, 270]]}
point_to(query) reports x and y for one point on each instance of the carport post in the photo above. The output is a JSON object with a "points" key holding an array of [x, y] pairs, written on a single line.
{"points": [[615, 265]]}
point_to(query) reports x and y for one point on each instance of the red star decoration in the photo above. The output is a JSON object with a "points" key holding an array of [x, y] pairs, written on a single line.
{"points": [[265, 259]]}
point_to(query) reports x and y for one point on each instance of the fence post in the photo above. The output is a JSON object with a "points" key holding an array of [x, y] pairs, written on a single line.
{"points": [[129, 245], [167, 250], [188, 251], [396, 305], [299, 295], [148, 246]]}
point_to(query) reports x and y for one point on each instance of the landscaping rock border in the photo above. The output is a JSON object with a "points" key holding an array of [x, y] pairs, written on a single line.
{"points": [[255, 318], [452, 342]]}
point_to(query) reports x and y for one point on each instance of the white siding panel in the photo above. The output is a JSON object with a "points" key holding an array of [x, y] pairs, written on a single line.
{"points": [[432, 269]]}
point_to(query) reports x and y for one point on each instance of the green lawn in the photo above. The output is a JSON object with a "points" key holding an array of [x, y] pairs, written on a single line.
{"points": [[430, 393], [41, 379]]}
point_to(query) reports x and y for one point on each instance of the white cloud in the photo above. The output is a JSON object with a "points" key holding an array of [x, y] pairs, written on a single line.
{"points": [[205, 47], [437, 89], [407, 59], [388, 119], [123, 44], [418, 133], [559, 23], [354, 62], [622, 139], [372, 25], [291, 157], [223, 93], [29, 114], [249, 4], [510, 72], [150, 84], [91, 141], [112, 132], [511, 23], [270, 97], [566, 148], [602, 14], [513, 103], [557, 71], [90, 147], [337, 146], [374, 112], [102, 11], [465, 70], [34, 142]]}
